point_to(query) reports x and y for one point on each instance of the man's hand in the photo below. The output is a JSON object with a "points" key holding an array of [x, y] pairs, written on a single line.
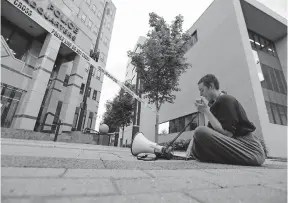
{"points": [[201, 106]]}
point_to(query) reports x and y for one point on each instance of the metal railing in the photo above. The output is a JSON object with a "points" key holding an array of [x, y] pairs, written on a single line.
{"points": [[58, 124]]}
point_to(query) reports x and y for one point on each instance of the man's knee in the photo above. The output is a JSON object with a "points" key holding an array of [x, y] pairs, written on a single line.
{"points": [[201, 132]]}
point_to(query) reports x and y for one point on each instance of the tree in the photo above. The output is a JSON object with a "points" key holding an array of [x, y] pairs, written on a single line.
{"points": [[108, 117], [119, 111], [162, 60], [163, 132]]}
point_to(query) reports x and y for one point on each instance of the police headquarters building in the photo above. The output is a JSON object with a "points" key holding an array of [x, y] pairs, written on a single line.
{"points": [[244, 44], [45, 61]]}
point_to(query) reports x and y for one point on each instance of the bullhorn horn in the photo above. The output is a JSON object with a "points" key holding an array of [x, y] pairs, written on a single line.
{"points": [[141, 144]]}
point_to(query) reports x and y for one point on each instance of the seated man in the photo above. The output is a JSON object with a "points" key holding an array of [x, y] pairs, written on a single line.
{"points": [[228, 138]]}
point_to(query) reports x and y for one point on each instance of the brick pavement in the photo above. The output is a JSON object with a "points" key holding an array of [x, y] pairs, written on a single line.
{"points": [[101, 185], [26, 179]]}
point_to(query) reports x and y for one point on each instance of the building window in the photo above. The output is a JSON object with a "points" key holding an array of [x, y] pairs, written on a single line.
{"points": [[101, 36], [110, 12], [75, 119], [84, 120], [102, 57], [90, 119], [89, 92], [94, 71], [77, 11], [10, 97], [66, 80], [99, 14], [18, 41], [108, 26], [94, 8], [176, 125], [194, 38], [105, 41], [88, 2], [82, 88], [192, 41], [259, 42], [274, 79], [57, 114], [94, 95], [277, 113], [89, 23], [95, 30], [83, 17], [99, 74], [104, 22]]}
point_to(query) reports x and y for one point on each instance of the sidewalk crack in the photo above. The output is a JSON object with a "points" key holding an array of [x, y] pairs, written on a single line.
{"points": [[149, 174], [192, 197], [62, 174], [118, 191], [103, 162]]}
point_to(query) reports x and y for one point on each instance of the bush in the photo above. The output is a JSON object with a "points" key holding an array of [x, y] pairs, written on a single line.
{"points": [[180, 145], [126, 146]]}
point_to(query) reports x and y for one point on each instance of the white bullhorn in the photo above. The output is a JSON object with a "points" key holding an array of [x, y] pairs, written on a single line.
{"points": [[141, 144]]}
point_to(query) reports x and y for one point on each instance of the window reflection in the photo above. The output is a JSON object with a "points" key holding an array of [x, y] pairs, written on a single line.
{"points": [[178, 124], [17, 40], [277, 113], [261, 43], [10, 97]]}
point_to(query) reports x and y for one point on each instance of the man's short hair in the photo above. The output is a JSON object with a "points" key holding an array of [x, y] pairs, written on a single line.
{"points": [[208, 79]]}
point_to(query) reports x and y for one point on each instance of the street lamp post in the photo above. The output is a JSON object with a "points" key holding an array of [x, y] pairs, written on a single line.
{"points": [[95, 56]]}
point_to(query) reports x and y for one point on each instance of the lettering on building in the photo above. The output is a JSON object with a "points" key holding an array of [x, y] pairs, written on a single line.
{"points": [[52, 14], [70, 45]]}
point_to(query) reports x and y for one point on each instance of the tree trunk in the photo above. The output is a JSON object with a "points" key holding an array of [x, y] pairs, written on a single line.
{"points": [[157, 126], [122, 137]]}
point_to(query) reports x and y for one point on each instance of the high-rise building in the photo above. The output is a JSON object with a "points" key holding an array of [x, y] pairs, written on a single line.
{"points": [[45, 61], [244, 44], [131, 77]]}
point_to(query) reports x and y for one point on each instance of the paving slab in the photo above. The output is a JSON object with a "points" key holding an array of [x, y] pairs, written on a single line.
{"points": [[160, 185], [240, 177], [39, 151], [142, 198], [195, 173], [104, 173], [50, 144], [49, 162], [31, 172], [246, 194], [54, 187], [278, 186]]}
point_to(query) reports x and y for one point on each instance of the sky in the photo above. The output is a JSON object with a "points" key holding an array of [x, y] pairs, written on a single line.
{"points": [[131, 21]]}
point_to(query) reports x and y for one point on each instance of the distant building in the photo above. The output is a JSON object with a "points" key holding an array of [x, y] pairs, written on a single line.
{"points": [[41, 71], [244, 44], [131, 76]]}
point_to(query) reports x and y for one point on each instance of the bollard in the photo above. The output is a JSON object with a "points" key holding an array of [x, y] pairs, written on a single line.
{"points": [[57, 130]]}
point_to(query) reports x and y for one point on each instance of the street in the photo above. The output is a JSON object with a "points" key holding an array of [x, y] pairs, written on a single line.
{"points": [[42, 171]]}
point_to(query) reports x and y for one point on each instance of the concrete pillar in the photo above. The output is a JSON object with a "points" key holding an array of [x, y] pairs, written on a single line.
{"points": [[29, 108], [57, 95], [73, 91]]}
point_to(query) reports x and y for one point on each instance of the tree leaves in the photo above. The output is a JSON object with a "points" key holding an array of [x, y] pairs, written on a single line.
{"points": [[161, 59], [119, 111]]}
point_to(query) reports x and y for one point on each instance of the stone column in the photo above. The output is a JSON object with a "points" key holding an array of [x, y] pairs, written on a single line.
{"points": [[29, 108], [57, 94], [73, 97]]}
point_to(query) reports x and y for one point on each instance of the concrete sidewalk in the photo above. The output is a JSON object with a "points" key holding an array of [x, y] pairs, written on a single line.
{"points": [[53, 172]]}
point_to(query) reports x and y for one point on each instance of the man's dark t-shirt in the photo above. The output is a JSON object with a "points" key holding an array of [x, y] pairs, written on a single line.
{"points": [[232, 116]]}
